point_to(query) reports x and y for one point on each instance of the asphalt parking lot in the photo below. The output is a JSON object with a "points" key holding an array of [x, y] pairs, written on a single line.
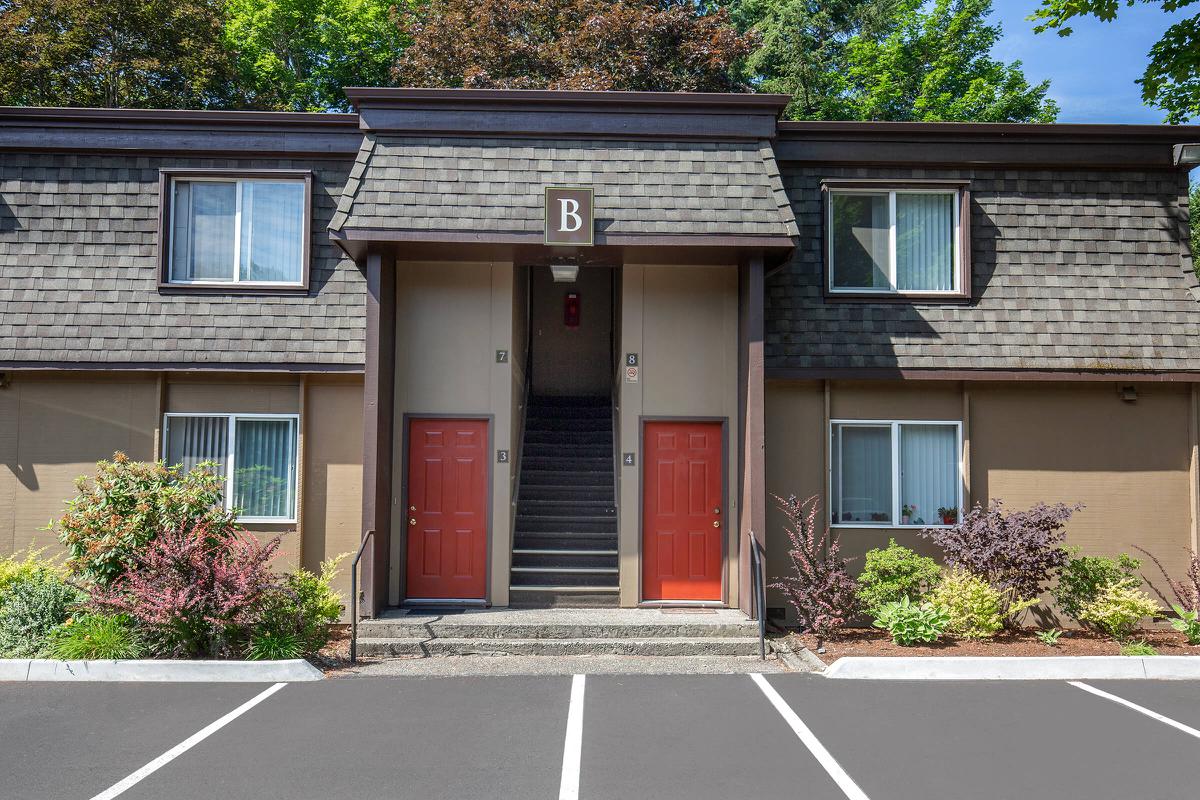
{"points": [[601, 737]]}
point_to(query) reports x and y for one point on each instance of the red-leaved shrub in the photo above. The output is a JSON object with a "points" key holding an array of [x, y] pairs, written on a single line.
{"points": [[1017, 550], [1187, 592], [195, 591], [819, 587]]}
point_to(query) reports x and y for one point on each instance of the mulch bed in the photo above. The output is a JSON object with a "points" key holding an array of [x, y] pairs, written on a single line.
{"points": [[868, 642]]}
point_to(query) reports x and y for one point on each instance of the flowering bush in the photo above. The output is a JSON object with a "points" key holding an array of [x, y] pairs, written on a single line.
{"points": [[1118, 608], [976, 609], [1187, 591], [195, 591], [895, 572], [126, 505], [819, 587], [1017, 550]]}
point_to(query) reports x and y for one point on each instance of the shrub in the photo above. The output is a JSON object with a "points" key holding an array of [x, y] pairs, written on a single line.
{"points": [[15, 570], [1083, 577], [975, 608], [819, 587], [126, 505], [1050, 638], [895, 572], [33, 607], [195, 591], [910, 623], [1138, 649], [271, 645], [1187, 623], [96, 636], [1187, 591], [301, 611], [1017, 550], [1118, 608]]}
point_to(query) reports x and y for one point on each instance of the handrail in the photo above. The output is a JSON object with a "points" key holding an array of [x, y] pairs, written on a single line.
{"points": [[354, 596], [758, 580]]}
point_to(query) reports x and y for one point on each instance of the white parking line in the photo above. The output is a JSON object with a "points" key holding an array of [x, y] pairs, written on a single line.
{"points": [[568, 789], [844, 781], [1140, 709], [187, 744]]}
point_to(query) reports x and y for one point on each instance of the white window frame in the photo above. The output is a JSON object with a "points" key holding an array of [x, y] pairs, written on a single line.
{"points": [[232, 420], [236, 270], [895, 425], [955, 268]]}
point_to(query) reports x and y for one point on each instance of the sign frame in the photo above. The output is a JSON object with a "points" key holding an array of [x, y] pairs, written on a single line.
{"points": [[590, 219]]}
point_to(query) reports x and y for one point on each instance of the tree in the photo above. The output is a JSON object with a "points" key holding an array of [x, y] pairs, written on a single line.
{"points": [[1171, 80], [297, 55], [660, 45], [115, 53], [888, 60]]}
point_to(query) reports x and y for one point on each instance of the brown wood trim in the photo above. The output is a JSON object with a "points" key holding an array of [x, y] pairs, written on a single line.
{"points": [[961, 297], [378, 421], [165, 178], [178, 366], [1194, 465], [751, 420], [897, 373], [781, 242]]}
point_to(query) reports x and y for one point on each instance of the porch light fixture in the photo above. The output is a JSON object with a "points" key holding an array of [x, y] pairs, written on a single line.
{"points": [[564, 273], [1187, 154]]}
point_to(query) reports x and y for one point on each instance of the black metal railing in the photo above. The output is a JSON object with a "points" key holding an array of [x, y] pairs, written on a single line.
{"points": [[758, 587], [354, 596]]}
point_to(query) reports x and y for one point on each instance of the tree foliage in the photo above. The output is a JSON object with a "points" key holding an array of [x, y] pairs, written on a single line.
{"points": [[1171, 80], [660, 45], [298, 55], [888, 60], [115, 53]]}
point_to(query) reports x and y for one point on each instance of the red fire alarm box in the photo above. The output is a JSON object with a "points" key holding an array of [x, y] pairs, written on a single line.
{"points": [[571, 310]]}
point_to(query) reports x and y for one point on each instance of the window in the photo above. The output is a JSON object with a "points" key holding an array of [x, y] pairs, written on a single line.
{"points": [[895, 473], [236, 231], [255, 453], [898, 241]]}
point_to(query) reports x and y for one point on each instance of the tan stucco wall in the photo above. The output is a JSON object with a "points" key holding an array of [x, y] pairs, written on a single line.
{"points": [[1130, 463], [54, 427], [451, 318], [682, 321]]}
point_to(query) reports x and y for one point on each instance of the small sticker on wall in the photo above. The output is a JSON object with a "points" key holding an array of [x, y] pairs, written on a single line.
{"points": [[628, 460], [632, 374], [502, 456]]}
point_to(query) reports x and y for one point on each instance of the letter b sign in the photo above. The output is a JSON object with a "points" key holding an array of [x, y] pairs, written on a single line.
{"points": [[569, 216]]}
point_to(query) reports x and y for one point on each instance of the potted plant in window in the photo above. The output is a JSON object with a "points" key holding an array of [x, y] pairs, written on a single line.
{"points": [[907, 512], [949, 516]]}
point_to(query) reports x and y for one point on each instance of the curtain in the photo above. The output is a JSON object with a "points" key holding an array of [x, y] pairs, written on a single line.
{"points": [[272, 240], [192, 440], [264, 479], [928, 471], [860, 230], [924, 242], [862, 473], [204, 213]]}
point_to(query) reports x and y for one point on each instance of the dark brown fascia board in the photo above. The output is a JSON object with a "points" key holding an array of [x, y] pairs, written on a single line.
{"points": [[210, 133], [174, 366], [522, 238], [569, 114], [897, 373], [981, 144]]}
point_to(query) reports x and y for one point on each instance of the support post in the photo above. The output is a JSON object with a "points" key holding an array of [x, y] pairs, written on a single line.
{"points": [[751, 430], [378, 415]]}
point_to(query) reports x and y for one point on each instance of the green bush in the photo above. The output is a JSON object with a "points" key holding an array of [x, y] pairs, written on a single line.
{"points": [[976, 609], [32, 608], [127, 504], [1138, 649], [910, 623], [96, 636], [1187, 623], [1118, 608], [1084, 576], [1050, 638], [14, 569], [268, 645], [302, 612], [893, 573]]}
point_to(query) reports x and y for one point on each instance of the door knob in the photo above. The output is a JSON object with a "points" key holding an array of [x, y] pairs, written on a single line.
{"points": [[716, 523]]}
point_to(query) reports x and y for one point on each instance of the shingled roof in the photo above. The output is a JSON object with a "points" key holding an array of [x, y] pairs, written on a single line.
{"points": [[1072, 270], [493, 187]]}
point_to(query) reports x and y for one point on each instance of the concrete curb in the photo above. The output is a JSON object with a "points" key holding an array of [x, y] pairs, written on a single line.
{"points": [[155, 671], [1015, 668]]}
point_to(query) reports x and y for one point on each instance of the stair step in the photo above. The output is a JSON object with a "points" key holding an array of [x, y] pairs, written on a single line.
{"points": [[566, 494], [557, 579], [664, 646], [590, 480], [569, 437], [568, 462], [453, 627], [566, 508], [557, 425], [576, 542], [566, 525]]}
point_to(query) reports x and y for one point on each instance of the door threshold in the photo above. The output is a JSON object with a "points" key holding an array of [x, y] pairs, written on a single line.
{"points": [[446, 601], [682, 604]]}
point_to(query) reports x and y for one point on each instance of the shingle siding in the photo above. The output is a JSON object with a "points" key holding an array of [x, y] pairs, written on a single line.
{"points": [[496, 185], [1071, 271], [79, 273]]}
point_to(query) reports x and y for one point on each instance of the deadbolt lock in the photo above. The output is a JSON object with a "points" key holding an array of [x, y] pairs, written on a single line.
{"points": [[412, 508], [716, 523], [716, 510], [412, 520]]}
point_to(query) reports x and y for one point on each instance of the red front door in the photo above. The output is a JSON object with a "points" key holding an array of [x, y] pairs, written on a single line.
{"points": [[447, 509], [683, 514]]}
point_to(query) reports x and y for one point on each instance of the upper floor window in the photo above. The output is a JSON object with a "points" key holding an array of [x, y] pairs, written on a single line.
{"points": [[895, 241], [227, 230]]}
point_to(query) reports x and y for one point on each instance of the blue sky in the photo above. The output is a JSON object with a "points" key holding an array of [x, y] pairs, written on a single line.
{"points": [[1091, 72]]}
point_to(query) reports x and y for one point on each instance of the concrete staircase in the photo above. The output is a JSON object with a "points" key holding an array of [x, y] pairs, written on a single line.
{"points": [[559, 632], [565, 540]]}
